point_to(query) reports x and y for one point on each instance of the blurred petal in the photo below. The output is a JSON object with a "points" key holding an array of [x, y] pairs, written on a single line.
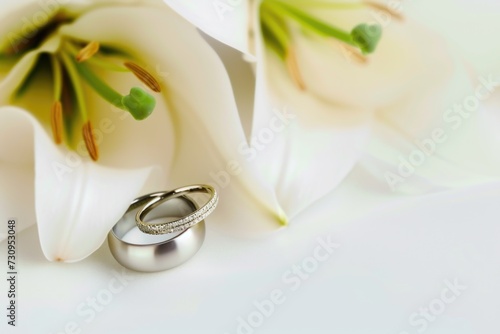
{"points": [[16, 171], [472, 26], [447, 102]]}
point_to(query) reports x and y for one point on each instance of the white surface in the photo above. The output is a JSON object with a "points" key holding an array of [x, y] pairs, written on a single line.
{"points": [[390, 263]]}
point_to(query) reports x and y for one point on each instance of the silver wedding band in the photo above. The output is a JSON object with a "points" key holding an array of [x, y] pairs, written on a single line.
{"points": [[168, 247]]}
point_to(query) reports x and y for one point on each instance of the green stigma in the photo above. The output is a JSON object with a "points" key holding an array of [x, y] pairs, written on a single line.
{"points": [[139, 103], [366, 37]]}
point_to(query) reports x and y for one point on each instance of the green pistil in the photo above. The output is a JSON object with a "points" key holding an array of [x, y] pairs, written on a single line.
{"points": [[366, 37], [275, 12], [139, 103], [106, 64]]}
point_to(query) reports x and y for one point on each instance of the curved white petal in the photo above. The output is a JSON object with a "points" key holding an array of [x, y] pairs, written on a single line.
{"points": [[77, 202], [226, 21]]}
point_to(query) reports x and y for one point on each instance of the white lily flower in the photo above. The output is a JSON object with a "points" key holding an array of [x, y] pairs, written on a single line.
{"points": [[78, 200], [347, 107]]}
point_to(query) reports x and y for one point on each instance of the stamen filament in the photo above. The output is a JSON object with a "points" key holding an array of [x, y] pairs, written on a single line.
{"points": [[275, 27], [310, 22], [73, 75], [281, 36], [56, 112], [56, 121], [144, 76], [88, 51], [57, 75], [294, 70]]}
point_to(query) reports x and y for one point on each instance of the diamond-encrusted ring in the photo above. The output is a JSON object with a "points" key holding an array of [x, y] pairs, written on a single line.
{"points": [[180, 224], [143, 252]]}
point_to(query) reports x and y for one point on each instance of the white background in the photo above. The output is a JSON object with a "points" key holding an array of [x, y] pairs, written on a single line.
{"points": [[393, 260]]}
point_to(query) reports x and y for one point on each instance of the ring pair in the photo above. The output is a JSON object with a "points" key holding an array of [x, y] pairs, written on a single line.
{"points": [[174, 232]]}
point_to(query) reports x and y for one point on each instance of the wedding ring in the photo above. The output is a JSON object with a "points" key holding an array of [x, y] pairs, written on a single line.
{"points": [[180, 224], [143, 252]]}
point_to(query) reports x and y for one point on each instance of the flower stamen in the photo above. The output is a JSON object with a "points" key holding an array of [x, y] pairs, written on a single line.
{"points": [[88, 51], [143, 75], [294, 70], [88, 137]]}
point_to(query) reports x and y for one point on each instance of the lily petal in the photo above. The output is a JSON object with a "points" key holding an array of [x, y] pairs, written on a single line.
{"points": [[226, 21], [77, 202]]}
